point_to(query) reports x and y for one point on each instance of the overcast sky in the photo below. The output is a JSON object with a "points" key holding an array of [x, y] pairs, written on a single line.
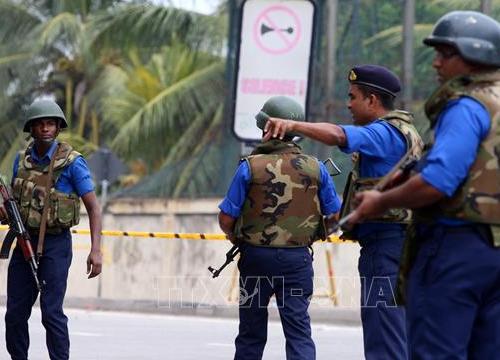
{"points": [[202, 6]]}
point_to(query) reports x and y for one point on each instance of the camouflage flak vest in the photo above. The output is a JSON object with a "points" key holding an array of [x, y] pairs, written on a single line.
{"points": [[403, 122], [29, 189], [478, 199], [282, 207]]}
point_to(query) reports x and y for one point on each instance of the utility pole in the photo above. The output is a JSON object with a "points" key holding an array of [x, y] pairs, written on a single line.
{"points": [[327, 108], [408, 25], [486, 7], [330, 62]]}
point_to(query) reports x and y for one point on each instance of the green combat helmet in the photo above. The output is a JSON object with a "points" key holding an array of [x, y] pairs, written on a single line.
{"points": [[280, 107], [476, 36], [44, 109]]}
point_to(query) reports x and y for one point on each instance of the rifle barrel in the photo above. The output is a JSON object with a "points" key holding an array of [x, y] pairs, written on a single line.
{"points": [[17, 226]]}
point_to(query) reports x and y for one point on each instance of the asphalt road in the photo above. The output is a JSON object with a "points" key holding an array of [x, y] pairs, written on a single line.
{"points": [[97, 335]]}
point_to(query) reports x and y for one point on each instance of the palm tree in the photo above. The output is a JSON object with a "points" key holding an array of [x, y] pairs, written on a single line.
{"points": [[44, 52], [158, 103], [174, 99], [79, 52]]}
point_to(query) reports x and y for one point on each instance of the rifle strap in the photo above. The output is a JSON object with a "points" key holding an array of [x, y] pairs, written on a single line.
{"points": [[45, 212]]}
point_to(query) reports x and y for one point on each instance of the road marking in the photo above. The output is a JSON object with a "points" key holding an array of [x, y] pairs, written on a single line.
{"points": [[220, 344], [87, 334]]}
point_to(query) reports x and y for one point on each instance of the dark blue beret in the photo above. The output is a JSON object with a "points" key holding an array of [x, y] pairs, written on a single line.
{"points": [[377, 77]]}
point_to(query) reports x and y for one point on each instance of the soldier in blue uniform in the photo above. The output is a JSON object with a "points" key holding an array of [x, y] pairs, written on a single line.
{"points": [[380, 136], [451, 269], [274, 210], [67, 182]]}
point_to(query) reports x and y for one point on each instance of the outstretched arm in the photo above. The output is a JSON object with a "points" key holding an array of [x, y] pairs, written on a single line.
{"points": [[327, 133], [94, 260]]}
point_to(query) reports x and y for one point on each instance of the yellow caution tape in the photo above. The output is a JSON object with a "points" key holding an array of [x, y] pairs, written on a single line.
{"points": [[170, 235]]}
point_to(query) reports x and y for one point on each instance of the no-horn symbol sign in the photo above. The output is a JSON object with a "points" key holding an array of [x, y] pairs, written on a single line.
{"points": [[273, 58], [277, 30]]}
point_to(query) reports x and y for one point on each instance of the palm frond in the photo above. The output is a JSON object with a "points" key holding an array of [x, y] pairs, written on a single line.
{"points": [[17, 21], [131, 85], [79, 143], [209, 177], [8, 132], [64, 28], [188, 141], [16, 143], [456, 4], [393, 37], [171, 110], [12, 58], [112, 80], [147, 26], [186, 175], [451, 5]]}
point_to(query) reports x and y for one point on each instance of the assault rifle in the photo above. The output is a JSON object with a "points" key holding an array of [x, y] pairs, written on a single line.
{"points": [[17, 231], [230, 255], [395, 176]]}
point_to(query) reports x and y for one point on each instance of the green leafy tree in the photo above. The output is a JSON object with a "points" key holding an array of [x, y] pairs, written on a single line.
{"points": [[123, 88]]}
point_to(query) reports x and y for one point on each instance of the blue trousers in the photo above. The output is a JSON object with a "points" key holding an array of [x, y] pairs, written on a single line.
{"points": [[384, 324], [454, 295], [22, 294], [288, 274]]}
